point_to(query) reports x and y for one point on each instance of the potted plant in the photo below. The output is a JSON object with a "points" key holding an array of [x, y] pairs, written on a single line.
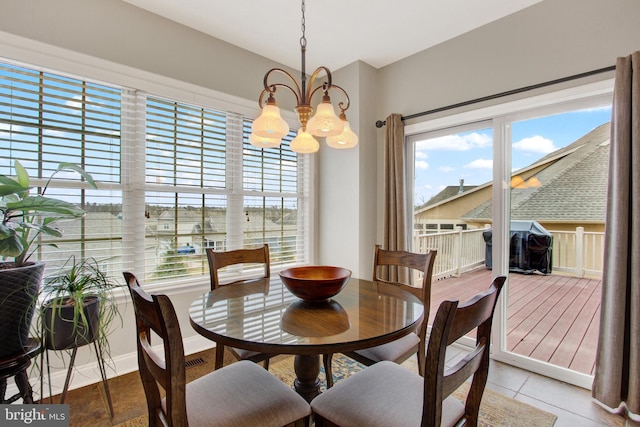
{"points": [[24, 217], [78, 306]]}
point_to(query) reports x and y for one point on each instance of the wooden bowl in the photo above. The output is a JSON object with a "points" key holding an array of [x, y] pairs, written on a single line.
{"points": [[315, 283]]}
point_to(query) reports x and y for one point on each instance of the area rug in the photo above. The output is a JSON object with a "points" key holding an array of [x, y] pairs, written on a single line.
{"points": [[496, 410], [141, 421]]}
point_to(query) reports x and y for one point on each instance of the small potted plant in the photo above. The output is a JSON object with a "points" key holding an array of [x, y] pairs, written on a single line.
{"points": [[23, 218], [79, 305]]}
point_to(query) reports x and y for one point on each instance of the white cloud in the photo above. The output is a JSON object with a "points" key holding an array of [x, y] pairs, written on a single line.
{"points": [[446, 169], [596, 109], [6, 129], [76, 105], [535, 144], [456, 142], [480, 164], [422, 165], [51, 132], [420, 155]]}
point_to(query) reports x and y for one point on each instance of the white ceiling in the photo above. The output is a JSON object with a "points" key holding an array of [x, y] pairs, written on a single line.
{"points": [[338, 32]]}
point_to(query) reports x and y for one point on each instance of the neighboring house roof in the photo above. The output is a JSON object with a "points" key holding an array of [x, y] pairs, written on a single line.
{"points": [[252, 221], [573, 187], [446, 193]]}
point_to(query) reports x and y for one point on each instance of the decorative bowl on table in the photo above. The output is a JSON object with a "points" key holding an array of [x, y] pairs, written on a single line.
{"points": [[315, 283]]}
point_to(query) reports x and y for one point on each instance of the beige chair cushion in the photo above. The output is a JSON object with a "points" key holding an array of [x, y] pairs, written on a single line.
{"points": [[382, 395], [394, 350], [242, 394]]}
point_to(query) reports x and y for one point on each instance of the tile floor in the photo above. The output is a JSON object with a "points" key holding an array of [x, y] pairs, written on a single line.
{"points": [[572, 405]]}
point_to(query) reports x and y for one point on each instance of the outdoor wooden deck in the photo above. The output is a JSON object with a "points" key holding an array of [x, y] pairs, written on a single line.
{"points": [[551, 318]]}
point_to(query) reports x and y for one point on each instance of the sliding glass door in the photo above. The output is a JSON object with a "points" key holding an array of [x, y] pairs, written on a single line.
{"points": [[453, 169], [557, 205], [532, 209]]}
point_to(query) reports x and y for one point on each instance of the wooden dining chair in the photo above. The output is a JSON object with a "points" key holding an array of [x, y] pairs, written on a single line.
{"points": [[389, 395], [219, 260], [239, 394], [399, 350]]}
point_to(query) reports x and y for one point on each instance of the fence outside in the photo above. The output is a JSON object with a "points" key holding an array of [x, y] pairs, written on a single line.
{"points": [[577, 253]]}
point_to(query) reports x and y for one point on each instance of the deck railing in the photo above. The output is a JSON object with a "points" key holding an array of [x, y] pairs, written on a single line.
{"points": [[458, 251], [577, 253]]}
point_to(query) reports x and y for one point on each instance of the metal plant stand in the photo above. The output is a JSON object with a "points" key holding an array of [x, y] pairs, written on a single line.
{"points": [[105, 383]]}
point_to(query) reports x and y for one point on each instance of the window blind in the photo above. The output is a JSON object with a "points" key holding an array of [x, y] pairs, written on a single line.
{"points": [[46, 119], [174, 178]]}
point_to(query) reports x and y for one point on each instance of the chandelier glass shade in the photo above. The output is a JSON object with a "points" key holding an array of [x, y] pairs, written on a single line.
{"points": [[347, 139], [259, 141], [269, 128], [304, 143], [270, 124]]}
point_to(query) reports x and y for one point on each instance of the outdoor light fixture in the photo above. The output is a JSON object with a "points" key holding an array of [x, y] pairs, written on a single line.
{"points": [[269, 128]]}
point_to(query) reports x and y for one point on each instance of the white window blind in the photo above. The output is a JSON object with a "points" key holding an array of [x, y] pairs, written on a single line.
{"points": [[174, 178], [46, 119], [273, 182]]}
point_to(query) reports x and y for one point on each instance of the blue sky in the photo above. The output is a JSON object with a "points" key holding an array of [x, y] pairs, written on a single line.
{"points": [[443, 161]]}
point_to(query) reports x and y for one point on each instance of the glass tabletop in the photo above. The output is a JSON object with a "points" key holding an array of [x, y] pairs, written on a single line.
{"points": [[264, 316]]}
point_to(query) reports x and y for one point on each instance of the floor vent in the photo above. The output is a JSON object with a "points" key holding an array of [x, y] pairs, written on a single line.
{"points": [[194, 362]]}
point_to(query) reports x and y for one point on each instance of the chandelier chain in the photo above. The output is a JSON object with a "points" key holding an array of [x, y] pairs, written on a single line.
{"points": [[303, 39]]}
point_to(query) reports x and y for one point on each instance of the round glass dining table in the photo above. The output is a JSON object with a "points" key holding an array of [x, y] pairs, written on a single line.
{"points": [[263, 316]]}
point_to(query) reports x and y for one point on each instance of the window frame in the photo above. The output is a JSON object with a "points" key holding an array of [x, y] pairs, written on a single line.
{"points": [[26, 53]]}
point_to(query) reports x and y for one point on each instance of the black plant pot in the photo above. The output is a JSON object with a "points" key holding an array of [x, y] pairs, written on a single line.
{"points": [[62, 331], [19, 287]]}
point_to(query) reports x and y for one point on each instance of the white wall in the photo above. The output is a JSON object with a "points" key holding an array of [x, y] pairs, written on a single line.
{"points": [[549, 40], [347, 187]]}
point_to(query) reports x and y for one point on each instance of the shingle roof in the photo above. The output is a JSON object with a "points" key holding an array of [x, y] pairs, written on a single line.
{"points": [[573, 187], [446, 193]]}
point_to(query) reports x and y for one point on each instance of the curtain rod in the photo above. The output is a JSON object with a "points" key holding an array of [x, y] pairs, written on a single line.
{"points": [[381, 123]]}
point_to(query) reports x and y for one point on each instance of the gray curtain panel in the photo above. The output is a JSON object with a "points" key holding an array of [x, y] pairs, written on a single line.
{"points": [[617, 375], [395, 201]]}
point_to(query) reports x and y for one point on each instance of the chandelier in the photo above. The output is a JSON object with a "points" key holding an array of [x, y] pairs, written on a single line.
{"points": [[269, 128]]}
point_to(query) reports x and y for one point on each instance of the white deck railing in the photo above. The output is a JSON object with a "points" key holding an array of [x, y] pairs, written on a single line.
{"points": [[578, 253], [458, 251]]}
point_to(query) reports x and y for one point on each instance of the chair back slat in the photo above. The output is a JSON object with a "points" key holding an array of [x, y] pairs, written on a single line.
{"points": [[408, 260], [219, 260], [472, 314], [411, 262], [462, 371], [452, 321], [167, 371]]}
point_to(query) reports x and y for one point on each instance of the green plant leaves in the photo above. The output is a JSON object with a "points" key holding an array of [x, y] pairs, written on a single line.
{"points": [[9, 186], [24, 216], [22, 175], [11, 245], [40, 204], [76, 168]]}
